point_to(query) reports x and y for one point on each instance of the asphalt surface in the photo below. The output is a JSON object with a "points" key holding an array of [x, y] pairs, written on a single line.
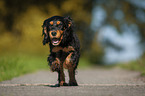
{"points": [[92, 82]]}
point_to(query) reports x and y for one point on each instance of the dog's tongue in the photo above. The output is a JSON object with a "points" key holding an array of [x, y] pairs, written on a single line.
{"points": [[55, 41]]}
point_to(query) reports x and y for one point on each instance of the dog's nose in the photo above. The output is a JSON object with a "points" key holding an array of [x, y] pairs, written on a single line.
{"points": [[53, 33]]}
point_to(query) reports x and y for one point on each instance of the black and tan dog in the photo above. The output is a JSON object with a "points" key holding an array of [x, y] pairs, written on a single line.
{"points": [[64, 47]]}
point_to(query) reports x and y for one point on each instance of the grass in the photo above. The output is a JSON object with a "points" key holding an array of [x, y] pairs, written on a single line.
{"points": [[83, 63], [16, 65], [138, 65]]}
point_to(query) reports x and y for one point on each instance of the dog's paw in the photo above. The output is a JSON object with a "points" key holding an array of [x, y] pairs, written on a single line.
{"points": [[73, 84], [55, 65], [62, 83]]}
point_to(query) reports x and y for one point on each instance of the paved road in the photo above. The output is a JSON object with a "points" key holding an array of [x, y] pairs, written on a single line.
{"points": [[92, 82]]}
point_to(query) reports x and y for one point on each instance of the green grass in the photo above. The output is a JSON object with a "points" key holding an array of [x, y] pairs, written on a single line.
{"points": [[84, 63], [16, 65], [138, 65]]}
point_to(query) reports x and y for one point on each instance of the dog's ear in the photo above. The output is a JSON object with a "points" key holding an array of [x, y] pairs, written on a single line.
{"points": [[69, 22], [44, 33], [68, 33]]}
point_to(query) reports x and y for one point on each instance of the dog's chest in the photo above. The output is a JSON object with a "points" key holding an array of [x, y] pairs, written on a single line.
{"points": [[62, 52]]}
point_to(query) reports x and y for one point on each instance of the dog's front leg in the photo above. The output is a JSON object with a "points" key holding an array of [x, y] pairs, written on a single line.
{"points": [[54, 62], [56, 65], [61, 76], [69, 64]]}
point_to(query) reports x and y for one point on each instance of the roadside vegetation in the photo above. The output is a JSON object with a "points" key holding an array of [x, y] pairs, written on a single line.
{"points": [[138, 65], [16, 65], [19, 64]]}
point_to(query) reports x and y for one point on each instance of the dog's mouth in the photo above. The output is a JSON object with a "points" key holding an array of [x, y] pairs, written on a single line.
{"points": [[55, 41]]}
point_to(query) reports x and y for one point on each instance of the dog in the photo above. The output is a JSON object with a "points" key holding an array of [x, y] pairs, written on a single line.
{"points": [[64, 46]]}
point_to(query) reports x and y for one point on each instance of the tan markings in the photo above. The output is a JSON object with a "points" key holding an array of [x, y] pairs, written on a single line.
{"points": [[70, 48], [61, 38], [45, 30], [65, 49], [51, 22], [58, 22], [56, 49], [61, 83], [61, 31], [68, 63], [58, 61], [69, 24], [50, 34], [58, 34]]}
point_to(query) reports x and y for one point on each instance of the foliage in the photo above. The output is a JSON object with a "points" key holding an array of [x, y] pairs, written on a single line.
{"points": [[12, 66], [96, 53], [138, 65], [21, 21], [120, 12]]}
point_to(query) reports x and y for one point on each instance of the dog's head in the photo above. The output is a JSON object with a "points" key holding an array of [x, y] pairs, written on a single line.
{"points": [[54, 29]]}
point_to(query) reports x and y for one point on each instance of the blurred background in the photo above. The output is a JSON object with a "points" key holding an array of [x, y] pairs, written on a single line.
{"points": [[110, 32]]}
